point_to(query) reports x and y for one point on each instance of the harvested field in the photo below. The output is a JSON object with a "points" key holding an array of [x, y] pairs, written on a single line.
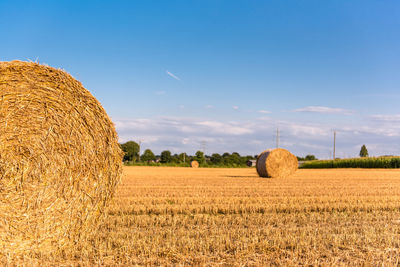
{"points": [[166, 215]]}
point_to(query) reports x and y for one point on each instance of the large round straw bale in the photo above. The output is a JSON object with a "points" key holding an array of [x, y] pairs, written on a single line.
{"points": [[276, 163], [194, 164], [59, 159]]}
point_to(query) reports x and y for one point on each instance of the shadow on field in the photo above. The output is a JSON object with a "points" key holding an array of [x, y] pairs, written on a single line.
{"points": [[240, 176]]}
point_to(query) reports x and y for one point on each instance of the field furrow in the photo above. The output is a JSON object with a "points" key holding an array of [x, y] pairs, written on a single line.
{"points": [[233, 217]]}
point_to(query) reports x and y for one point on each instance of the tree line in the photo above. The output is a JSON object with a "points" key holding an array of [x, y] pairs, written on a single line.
{"points": [[132, 157]]}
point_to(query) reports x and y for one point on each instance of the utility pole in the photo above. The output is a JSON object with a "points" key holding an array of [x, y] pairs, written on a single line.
{"points": [[334, 145], [140, 145], [184, 153], [277, 137]]}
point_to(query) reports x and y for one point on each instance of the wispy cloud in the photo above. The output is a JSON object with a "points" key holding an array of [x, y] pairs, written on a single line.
{"points": [[160, 92], [208, 106], [251, 136], [184, 134], [264, 111], [173, 75], [386, 118], [324, 110], [235, 107]]}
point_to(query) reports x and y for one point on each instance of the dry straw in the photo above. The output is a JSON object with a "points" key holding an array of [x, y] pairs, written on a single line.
{"points": [[276, 163], [59, 160], [194, 164]]}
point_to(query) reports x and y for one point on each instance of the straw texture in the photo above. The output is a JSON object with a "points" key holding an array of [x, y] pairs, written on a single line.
{"points": [[276, 163], [59, 160], [194, 164]]}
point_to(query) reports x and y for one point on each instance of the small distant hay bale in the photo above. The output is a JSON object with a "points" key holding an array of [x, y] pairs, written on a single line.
{"points": [[60, 160], [276, 163], [194, 164]]}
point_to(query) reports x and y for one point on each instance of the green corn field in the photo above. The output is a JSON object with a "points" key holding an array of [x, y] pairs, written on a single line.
{"points": [[372, 162]]}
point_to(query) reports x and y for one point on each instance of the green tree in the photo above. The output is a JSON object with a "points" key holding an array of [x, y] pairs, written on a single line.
{"points": [[131, 150], [183, 157], [166, 156], [363, 151], [310, 157], [226, 158], [216, 158], [235, 158], [226, 155], [175, 158], [148, 156], [199, 156]]}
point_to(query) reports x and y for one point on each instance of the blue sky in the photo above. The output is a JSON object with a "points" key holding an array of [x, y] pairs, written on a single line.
{"points": [[175, 74]]}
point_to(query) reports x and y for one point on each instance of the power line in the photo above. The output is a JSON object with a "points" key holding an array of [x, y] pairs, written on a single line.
{"points": [[203, 146]]}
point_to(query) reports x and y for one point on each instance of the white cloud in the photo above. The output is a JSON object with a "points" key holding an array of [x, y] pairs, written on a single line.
{"points": [[235, 107], [249, 137], [324, 110], [185, 141], [224, 128], [264, 111], [208, 106], [307, 131], [141, 124], [173, 76]]}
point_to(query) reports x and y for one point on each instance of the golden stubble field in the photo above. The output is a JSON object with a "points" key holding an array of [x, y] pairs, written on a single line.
{"points": [[166, 215]]}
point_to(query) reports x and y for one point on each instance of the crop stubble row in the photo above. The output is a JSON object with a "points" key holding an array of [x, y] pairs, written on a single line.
{"points": [[196, 216]]}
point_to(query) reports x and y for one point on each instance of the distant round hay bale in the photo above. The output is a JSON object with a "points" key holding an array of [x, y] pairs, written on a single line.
{"points": [[194, 164], [276, 163], [60, 160]]}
